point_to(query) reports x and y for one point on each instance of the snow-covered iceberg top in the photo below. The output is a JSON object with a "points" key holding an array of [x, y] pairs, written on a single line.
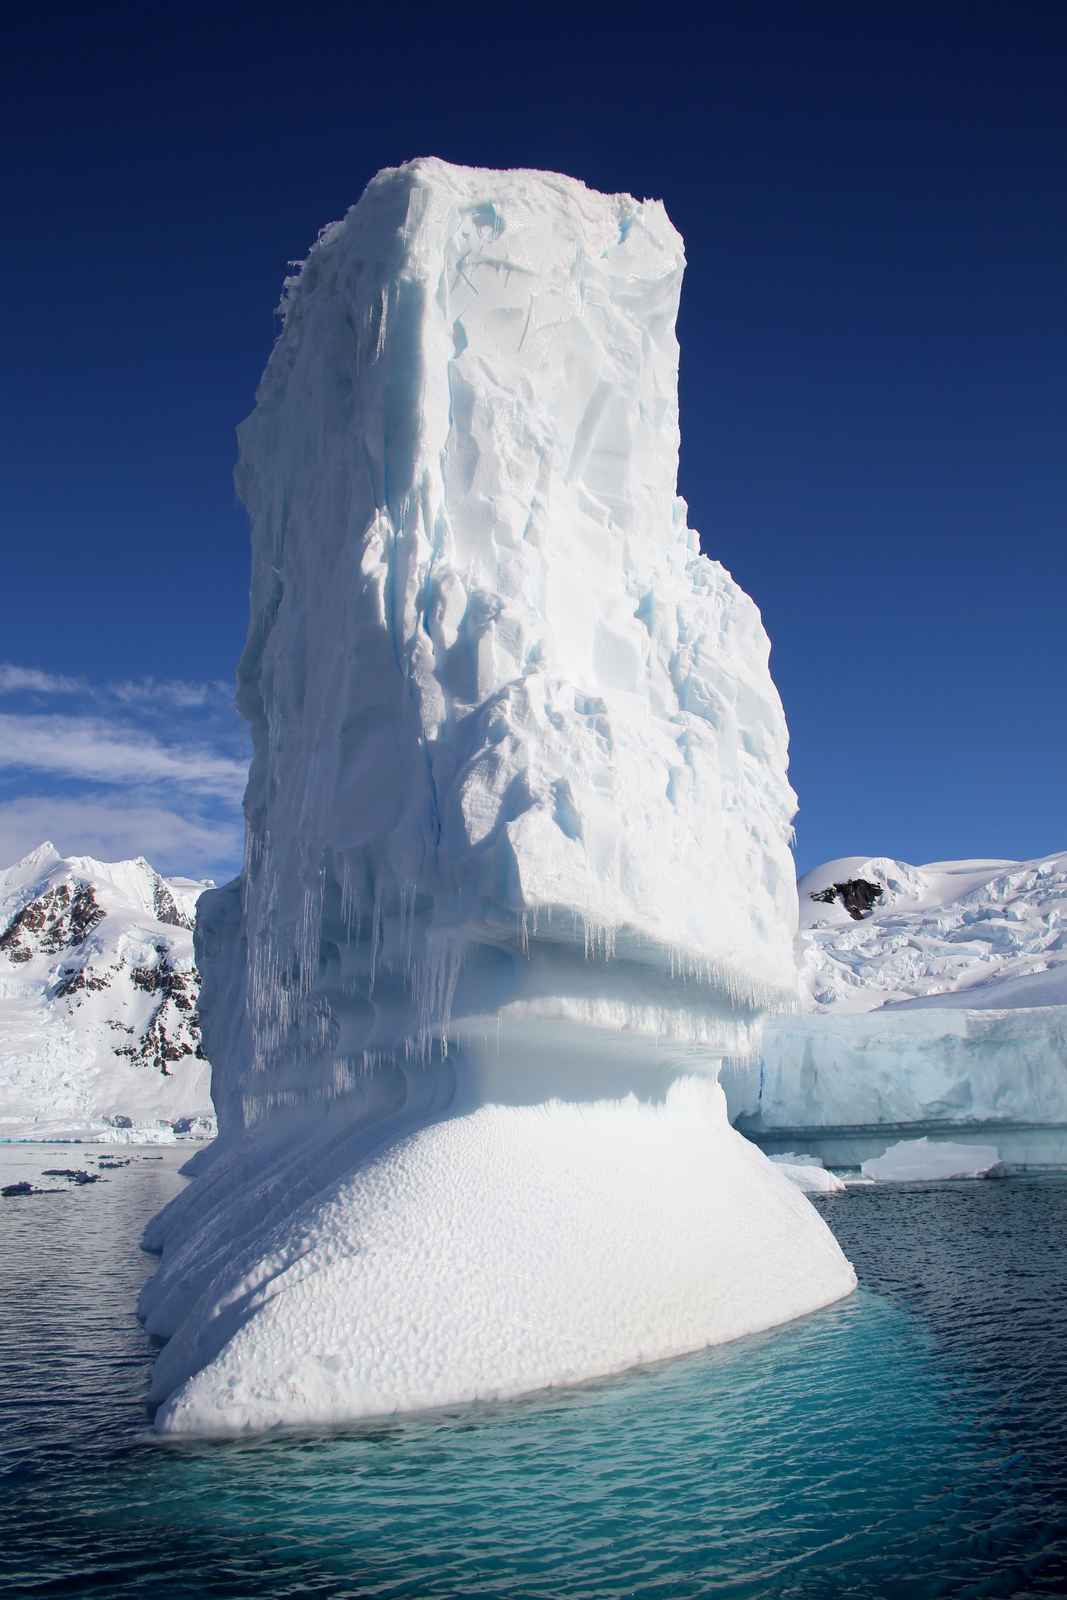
{"points": [[518, 822]]}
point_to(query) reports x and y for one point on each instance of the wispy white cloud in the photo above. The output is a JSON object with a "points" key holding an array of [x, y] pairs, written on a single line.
{"points": [[112, 830], [125, 767], [17, 680], [96, 750], [179, 693]]}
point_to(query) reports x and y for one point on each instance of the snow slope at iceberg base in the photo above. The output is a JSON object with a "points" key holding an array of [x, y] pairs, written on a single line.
{"points": [[517, 862], [486, 1255]]}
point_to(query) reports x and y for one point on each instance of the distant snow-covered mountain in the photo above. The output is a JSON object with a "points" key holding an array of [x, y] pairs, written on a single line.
{"points": [[931, 995], [980, 934], [99, 1029]]}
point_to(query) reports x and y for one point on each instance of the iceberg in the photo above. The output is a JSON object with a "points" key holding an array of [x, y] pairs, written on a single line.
{"points": [[912, 1159], [517, 871]]}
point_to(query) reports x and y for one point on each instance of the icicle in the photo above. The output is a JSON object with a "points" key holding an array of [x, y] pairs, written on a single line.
{"points": [[349, 903], [599, 940], [407, 923], [434, 979], [375, 937]]}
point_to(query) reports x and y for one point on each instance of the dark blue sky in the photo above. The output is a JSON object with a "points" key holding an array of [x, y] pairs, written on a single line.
{"points": [[874, 367]]}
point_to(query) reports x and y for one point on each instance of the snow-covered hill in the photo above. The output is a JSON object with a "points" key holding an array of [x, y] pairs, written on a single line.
{"points": [[945, 1003], [978, 934], [99, 1029]]}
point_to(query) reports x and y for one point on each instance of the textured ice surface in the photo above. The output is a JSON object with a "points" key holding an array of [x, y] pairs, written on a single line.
{"points": [[912, 1159], [947, 1005], [98, 996], [517, 842], [896, 1066]]}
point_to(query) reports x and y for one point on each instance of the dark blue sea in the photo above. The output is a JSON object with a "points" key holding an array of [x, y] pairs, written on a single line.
{"points": [[911, 1441]]}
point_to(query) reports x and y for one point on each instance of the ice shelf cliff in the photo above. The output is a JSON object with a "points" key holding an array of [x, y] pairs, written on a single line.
{"points": [[946, 1005], [518, 870]]}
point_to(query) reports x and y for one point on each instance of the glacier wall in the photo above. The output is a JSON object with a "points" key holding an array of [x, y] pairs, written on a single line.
{"points": [[925, 1068], [518, 832]]}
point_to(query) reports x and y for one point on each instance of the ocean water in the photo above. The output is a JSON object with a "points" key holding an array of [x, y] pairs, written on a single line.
{"points": [[911, 1441]]}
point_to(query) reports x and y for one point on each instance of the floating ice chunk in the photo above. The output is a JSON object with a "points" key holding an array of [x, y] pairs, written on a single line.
{"points": [[808, 1173], [912, 1159]]}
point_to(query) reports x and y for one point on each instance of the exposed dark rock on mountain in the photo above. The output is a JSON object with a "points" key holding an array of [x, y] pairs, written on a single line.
{"points": [[57, 920], [166, 908], [857, 895]]}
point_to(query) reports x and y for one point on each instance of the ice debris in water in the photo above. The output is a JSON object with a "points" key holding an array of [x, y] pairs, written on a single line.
{"points": [[808, 1173], [911, 1159], [518, 869]]}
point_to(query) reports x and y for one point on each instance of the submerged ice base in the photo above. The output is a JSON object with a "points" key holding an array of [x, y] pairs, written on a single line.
{"points": [[518, 823]]}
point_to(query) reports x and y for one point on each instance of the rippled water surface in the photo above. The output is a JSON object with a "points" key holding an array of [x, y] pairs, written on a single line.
{"points": [[910, 1442]]}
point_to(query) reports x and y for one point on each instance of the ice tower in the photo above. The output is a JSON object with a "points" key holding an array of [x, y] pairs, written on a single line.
{"points": [[518, 870]]}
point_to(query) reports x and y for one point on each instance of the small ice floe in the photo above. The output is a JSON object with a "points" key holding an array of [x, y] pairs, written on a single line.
{"points": [[808, 1173], [912, 1159], [72, 1174]]}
